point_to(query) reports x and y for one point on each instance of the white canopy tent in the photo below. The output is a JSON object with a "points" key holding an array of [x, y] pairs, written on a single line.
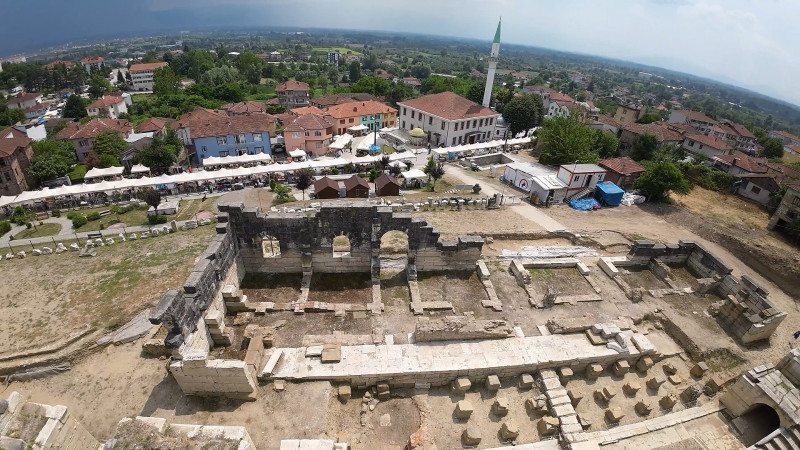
{"points": [[398, 156], [359, 127], [479, 146], [414, 174], [6, 200], [108, 172], [341, 141], [140, 168], [370, 139], [239, 159], [298, 153]]}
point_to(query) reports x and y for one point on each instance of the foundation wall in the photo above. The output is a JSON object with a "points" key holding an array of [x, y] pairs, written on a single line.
{"points": [[204, 377]]}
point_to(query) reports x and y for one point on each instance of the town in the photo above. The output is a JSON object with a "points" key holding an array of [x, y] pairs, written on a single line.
{"points": [[327, 240]]}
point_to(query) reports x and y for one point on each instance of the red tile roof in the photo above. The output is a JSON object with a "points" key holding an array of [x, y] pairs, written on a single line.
{"points": [[92, 128], [9, 145], [306, 110], [336, 99], [661, 133], [607, 120], [559, 97], [310, 122], [146, 67], [786, 135], [696, 115], [537, 88], [292, 85], [36, 107], [358, 109], [12, 132], [624, 165], [710, 141], [206, 123], [744, 162], [106, 101], [740, 129], [154, 124], [92, 60], [66, 64], [244, 107], [449, 106]]}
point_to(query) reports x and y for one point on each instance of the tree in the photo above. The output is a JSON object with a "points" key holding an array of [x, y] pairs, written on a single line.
{"points": [[563, 140], [220, 75], [108, 147], [649, 118], [152, 197], [304, 181], [165, 82], [475, 93], [523, 113], [75, 108], [355, 71], [45, 168], [157, 156], [661, 178], [230, 92], [644, 147], [604, 144], [98, 86], [434, 170], [773, 147]]}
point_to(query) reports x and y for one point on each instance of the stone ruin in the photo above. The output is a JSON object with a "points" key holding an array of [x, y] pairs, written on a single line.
{"points": [[194, 315], [745, 312]]}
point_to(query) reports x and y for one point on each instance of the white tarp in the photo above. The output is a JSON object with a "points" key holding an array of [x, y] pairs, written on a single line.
{"points": [[140, 168], [238, 159], [109, 172], [414, 174]]}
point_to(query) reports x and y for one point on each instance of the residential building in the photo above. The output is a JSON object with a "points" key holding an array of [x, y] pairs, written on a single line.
{"points": [[739, 164], [82, 136], [292, 94], [246, 107], [275, 56], [760, 187], [629, 132], [540, 90], [334, 57], [628, 113], [156, 125], [23, 101], [413, 82], [109, 106], [92, 63], [696, 119], [142, 75], [448, 119], [788, 210], [580, 176], [305, 110], [66, 64], [372, 114], [736, 135], [337, 99], [707, 145], [15, 159], [558, 108], [356, 187], [384, 74], [605, 123], [786, 138], [386, 185], [350, 57], [326, 188], [791, 153], [621, 171], [209, 133], [310, 132], [36, 110]]}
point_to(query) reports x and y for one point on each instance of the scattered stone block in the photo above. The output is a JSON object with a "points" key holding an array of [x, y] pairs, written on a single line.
{"points": [[47, 250], [574, 397], [565, 374], [655, 382], [60, 248], [536, 404], [670, 368], [509, 430], [331, 353], [547, 426], [593, 371], [461, 385], [132, 237], [109, 241], [385, 420], [493, 383], [464, 409], [37, 252], [644, 364], [345, 392], [72, 247], [604, 395], [525, 381], [471, 436], [21, 254], [699, 369], [675, 379], [713, 385], [668, 401], [643, 408], [500, 406], [615, 414], [585, 423], [383, 392], [620, 368], [691, 394], [279, 385], [631, 388]]}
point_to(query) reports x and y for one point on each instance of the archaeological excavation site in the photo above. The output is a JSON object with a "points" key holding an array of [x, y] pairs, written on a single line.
{"points": [[357, 325]]}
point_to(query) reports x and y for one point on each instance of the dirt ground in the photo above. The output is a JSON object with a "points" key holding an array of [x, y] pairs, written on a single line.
{"points": [[47, 302]]}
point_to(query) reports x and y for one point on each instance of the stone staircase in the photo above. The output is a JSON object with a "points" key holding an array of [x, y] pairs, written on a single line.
{"points": [[780, 439]]}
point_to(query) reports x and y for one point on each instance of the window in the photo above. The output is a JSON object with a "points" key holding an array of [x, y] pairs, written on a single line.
{"points": [[412, 114], [480, 124], [221, 140], [319, 144], [296, 135], [454, 141], [223, 153], [317, 133], [83, 143], [701, 147], [259, 150], [796, 201], [352, 120], [240, 139], [404, 124], [691, 143], [257, 137], [491, 121], [755, 189], [430, 120], [405, 112], [443, 124], [308, 134], [475, 123], [341, 122], [204, 148]]}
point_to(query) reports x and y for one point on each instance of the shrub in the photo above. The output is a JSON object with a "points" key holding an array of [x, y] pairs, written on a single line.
{"points": [[55, 213], [93, 216], [334, 171], [28, 225], [157, 219], [115, 209], [71, 214], [79, 220], [5, 227]]}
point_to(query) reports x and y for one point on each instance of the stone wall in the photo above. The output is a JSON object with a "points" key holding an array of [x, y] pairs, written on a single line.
{"points": [[765, 385]]}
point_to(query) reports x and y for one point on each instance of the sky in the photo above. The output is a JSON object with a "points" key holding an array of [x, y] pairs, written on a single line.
{"points": [[749, 43]]}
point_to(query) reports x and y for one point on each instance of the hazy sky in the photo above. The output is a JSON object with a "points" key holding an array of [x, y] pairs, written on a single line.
{"points": [[752, 43]]}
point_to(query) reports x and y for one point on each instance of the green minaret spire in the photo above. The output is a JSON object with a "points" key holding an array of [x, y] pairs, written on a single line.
{"points": [[497, 33]]}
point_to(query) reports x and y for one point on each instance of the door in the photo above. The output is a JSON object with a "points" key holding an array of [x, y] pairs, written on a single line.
{"points": [[588, 181]]}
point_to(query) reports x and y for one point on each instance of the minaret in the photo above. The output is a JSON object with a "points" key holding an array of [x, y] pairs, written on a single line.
{"points": [[487, 93]]}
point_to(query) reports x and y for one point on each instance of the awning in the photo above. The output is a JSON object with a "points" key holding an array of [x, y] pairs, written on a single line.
{"points": [[359, 127], [238, 159], [108, 172], [340, 142], [414, 174], [139, 168], [297, 153]]}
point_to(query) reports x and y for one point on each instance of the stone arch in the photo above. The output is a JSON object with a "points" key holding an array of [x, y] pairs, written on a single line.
{"points": [[757, 423]]}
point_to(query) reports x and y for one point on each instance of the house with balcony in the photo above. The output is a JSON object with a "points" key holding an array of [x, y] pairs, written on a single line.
{"points": [[109, 106], [371, 114], [82, 136], [142, 75], [311, 133], [695, 119], [208, 133], [293, 94]]}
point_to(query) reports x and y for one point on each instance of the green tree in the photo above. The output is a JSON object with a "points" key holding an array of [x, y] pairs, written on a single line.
{"points": [[661, 178], [604, 144], [230, 92], [304, 181], [157, 156], [165, 82], [75, 108], [773, 147], [433, 170], [98, 86], [649, 118], [372, 85], [523, 113], [45, 168], [220, 75], [564, 140], [355, 72], [644, 147], [475, 93], [108, 147]]}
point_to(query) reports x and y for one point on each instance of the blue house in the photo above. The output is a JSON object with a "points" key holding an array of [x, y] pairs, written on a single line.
{"points": [[209, 133]]}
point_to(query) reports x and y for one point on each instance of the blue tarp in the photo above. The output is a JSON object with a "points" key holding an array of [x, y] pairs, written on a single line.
{"points": [[609, 193], [584, 204]]}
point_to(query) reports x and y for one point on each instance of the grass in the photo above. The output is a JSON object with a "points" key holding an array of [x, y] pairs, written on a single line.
{"points": [[130, 218], [78, 172], [342, 50], [140, 98], [45, 229], [188, 208]]}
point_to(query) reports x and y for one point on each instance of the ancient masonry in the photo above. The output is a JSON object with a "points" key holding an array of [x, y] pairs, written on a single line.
{"points": [[745, 312], [28, 425]]}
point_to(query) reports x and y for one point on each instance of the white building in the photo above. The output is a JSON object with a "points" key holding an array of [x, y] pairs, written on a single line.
{"points": [[448, 119], [696, 119], [538, 180], [580, 176], [487, 92], [24, 101], [109, 106], [92, 63], [334, 57], [142, 75]]}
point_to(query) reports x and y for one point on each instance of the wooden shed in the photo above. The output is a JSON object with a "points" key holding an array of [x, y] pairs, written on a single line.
{"points": [[326, 188], [387, 185], [356, 187]]}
